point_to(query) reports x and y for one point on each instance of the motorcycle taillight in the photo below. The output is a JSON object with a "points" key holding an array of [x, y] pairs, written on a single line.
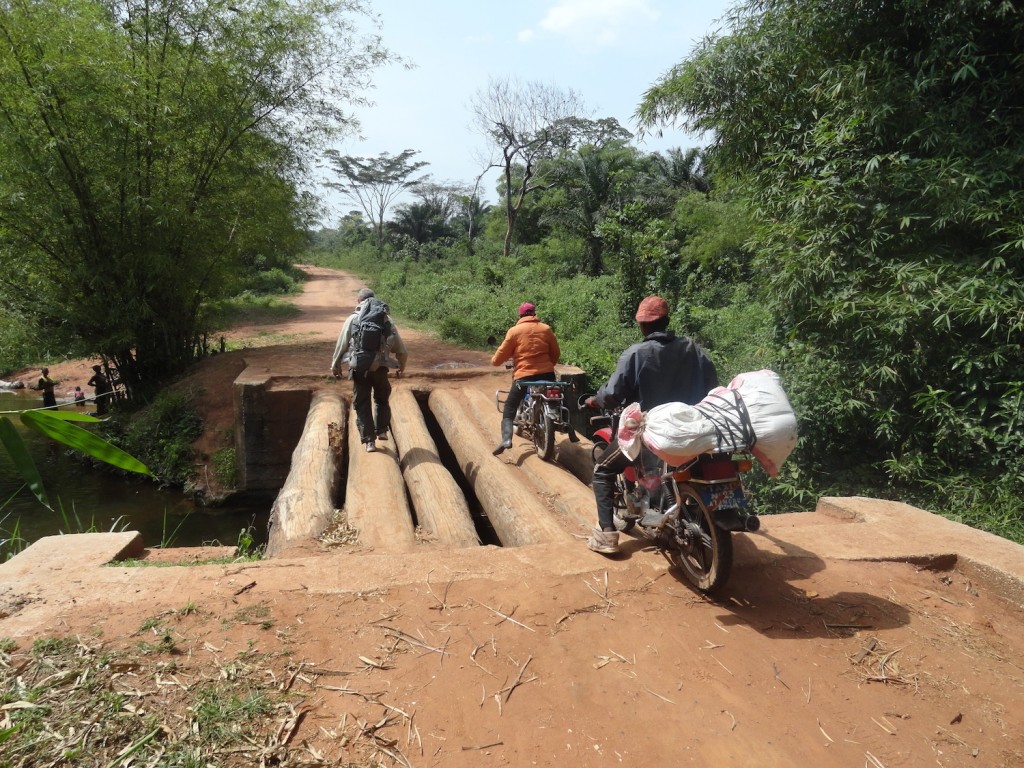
{"points": [[553, 393]]}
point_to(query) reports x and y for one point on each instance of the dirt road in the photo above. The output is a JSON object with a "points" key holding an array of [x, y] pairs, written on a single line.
{"points": [[872, 638]]}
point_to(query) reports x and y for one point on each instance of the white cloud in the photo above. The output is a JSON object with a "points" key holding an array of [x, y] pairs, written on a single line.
{"points": [[592, 23]]}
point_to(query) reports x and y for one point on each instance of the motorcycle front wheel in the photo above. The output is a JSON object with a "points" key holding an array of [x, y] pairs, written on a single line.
{"points": [[700, 548], [543, 431]]}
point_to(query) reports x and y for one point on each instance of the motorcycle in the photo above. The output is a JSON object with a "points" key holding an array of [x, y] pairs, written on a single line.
{"points": [[541, 414], [689, 511]]}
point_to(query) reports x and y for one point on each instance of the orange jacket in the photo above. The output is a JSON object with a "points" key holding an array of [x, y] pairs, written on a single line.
{"points": [[533, 346]]}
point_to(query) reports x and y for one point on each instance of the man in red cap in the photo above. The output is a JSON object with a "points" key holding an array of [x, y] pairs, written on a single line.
{"points": [[663, 368], [533, 348]]}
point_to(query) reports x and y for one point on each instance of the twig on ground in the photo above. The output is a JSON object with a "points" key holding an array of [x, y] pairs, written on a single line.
{"points": [[730, 714], [484, 746], [658, 695], [505, 617], [518, 680]]}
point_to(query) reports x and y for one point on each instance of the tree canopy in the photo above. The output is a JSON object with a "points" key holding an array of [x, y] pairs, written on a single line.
{"points": [[881, 146], [151, 149]]}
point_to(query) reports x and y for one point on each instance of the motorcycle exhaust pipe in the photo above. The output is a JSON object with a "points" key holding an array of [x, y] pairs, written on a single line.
{"points": [[752, 523]]}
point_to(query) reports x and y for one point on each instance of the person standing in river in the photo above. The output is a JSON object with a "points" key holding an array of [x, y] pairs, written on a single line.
{"points": [[101, 389], [46, 384]]}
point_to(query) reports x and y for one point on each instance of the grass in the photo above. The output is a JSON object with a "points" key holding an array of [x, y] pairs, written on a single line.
{"points": [[69, 702]]}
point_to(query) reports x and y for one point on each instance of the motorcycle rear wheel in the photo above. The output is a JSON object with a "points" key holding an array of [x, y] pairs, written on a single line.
{"points": [[700, 548], [543, 432]]}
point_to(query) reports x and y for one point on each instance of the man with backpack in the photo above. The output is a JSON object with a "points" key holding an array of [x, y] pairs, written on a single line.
{"points": [[369, 343]]}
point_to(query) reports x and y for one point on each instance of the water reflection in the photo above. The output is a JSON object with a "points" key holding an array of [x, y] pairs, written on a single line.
{"points": [[89, 499]]}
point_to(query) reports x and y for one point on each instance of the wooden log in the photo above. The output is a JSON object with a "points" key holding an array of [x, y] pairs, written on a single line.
{"points": [[577, 458], [305, 504], [570, 496], [375, 502], [517, 516], [440, 505]]}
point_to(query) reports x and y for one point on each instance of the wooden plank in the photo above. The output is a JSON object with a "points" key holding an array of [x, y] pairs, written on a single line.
{"points": [[515, 513], [305, 504], [375, 501], [440, 505]]}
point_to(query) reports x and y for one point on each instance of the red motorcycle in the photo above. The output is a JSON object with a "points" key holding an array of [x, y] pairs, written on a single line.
{"points": [[689, 511]]}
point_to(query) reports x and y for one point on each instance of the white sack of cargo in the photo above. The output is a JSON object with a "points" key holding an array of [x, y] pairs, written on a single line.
{"points": [[751, 414], [675, 432], [771, 417]]}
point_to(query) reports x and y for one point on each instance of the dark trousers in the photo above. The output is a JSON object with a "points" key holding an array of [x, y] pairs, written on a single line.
{"points": [[365, 384], [609, 464], [518, 392]]}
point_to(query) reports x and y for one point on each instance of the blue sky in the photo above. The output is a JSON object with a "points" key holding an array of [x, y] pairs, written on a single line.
{"points": [[608, 51]]}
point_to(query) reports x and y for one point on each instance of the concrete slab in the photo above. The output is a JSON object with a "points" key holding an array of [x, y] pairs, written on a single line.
{"points": [[71, 554], [67, 573]]}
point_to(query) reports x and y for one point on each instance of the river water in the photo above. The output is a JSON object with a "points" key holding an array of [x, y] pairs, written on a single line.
{"points": [[93, 499]]}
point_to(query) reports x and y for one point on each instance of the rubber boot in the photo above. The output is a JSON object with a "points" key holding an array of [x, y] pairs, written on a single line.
{"points": [[506, 437]]}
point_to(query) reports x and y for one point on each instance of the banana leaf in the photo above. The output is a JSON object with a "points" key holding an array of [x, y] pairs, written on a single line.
{"points": [[23, 460], [54, 424]]}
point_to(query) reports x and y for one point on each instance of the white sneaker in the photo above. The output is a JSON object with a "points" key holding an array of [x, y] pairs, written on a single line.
{"points": [[604, 542], [382, 436], [370, 447]]}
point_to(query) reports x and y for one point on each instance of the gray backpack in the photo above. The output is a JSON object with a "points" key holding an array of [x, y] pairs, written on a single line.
{"points": [[370, 332]]}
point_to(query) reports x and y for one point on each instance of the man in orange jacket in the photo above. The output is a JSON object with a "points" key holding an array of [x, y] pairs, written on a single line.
{"points": [[534, 350]]}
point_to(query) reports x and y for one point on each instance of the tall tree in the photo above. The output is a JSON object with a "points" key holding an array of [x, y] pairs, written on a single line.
{"points": [[376, 182], [524, 124], [147, 146], [590, 183], [881, 144]]}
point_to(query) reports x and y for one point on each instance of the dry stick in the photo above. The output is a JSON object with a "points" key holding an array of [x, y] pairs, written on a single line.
{"points": [[730, 714], [823, 731], [443, 602], [778, 675], [588, 609], [874, 760], [518, 680], [506, 618], [400, 635], [658, 695], [891, 733], [485, 746]]}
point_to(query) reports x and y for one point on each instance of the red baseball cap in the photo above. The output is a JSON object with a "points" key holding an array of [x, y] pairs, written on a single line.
{"points": [[652, 308], [526, 308]]}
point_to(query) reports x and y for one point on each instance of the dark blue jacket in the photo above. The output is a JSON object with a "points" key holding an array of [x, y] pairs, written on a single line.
{"points": [[663, 368]]}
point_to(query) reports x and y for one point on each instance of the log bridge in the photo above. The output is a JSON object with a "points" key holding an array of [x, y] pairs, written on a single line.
{"points": [[433, 483]]}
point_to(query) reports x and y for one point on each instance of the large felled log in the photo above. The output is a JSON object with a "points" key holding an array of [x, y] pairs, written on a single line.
{"points": [[305, 504], [571, 497], [517, 516], [440, 505], [375, 502]]}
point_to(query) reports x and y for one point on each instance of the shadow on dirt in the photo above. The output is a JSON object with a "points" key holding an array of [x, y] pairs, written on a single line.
{"points": [[760, 595]]}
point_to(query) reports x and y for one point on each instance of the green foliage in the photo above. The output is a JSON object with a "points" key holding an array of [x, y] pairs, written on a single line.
{"points": [[880, 149], [224, 466], [163, 433], [56, 425], [150, 154]]}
